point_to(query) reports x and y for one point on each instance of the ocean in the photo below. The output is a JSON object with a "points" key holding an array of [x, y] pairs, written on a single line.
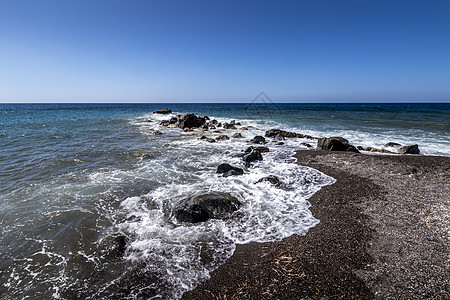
{"points": [[87, 191]]}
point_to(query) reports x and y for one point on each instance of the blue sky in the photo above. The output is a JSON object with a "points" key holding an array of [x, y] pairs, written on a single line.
{"points": [[224, 51]]}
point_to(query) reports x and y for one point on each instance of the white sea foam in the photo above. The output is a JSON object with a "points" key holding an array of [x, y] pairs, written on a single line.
{"points": [[184, 254]]}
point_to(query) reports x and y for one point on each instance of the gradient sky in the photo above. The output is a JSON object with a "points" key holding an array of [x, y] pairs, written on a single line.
{"points": [[224, 51]]}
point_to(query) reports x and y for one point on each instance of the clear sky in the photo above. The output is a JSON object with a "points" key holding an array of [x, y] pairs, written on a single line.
{"points": [[224, 51]]}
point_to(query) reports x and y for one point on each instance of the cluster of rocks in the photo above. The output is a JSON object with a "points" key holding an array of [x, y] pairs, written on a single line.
{"points": [[218, 205]]}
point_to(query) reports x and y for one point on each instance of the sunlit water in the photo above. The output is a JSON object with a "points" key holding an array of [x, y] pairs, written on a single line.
{"points": [[72, 181]]}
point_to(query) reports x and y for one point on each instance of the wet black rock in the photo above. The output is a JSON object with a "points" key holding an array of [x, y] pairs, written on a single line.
{"points": [[210, 140], [335, 144], [237, 136], [214, 205], [163, 111], [229, 170], [258, 140], [164, 123], [229, 126], [252, 156], [412, 149], [283, 133], [272, 179], [223, 137], [261, 149], [306, 145], [190, 121]]}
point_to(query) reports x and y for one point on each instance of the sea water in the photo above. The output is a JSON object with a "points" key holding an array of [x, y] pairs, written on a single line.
{"points": [[74, 181]]}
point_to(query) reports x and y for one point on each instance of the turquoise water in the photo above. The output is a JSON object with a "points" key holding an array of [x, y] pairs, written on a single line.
{"points": [[72, 180]]}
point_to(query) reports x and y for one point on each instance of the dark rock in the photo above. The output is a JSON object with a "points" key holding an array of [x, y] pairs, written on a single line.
{"points": [[229, 170], [157, 132], [252, 156], [190, 121], [392, 144], [205, 127], [206, 118], [306, 145], [223, 137], [173, 120], [335, 144], [203, 137], [164, 123], [214, 205], [219, 125], [272, 179], [360, 148], [232, 122], [412, 149], [258, 140], [238, 124], [163, 111], [261, 149], [210, 140], [279, 143], [283, 133], [214, 122], [229, 126], [238, 136]]}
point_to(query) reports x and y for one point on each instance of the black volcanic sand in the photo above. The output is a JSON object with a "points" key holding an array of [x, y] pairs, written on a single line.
{"points": [[382, 234]]}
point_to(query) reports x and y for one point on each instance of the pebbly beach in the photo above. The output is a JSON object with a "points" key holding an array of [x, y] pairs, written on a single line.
{"points": [[383, 231]]}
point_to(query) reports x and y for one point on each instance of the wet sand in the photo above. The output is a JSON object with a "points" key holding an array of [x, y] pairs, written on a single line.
{"points": [[383, 234]]}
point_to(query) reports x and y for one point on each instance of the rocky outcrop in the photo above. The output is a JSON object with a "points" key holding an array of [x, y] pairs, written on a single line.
{"points": [[214, 205], [412, 149], [283, 133], [164, 111], [261, 149], [229, 170], [258, 140], [335, 144], [190, 121], [237, 136], [252, 156]]}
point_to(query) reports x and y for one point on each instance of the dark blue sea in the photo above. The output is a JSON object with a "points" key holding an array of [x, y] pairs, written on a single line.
{"points": [[77, 181]]}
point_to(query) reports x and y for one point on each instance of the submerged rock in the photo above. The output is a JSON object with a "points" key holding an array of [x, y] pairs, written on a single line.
{"points": [[272, 179], [214, 205], [335, 144], [223, 137], [412, 149], [228, 170], [261, 149], [252, 156], [258, 140], [163, 111]]}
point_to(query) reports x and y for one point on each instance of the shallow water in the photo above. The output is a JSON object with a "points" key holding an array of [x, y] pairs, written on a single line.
{"points": [[72, 181]]}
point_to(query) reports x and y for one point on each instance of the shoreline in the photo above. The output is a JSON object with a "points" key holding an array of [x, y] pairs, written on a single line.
{"points": [[382, 234]]}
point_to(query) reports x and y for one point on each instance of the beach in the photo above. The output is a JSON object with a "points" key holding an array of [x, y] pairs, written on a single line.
{"points": [[383, 234]]}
